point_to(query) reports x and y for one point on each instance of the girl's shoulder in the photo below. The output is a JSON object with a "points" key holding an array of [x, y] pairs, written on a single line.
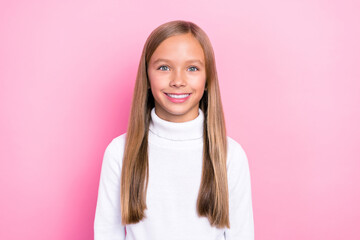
{"points": [[115, 149], [236, 155], [120, 140], [234, 147]]}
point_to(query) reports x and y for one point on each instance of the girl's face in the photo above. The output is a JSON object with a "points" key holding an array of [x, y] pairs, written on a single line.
{"points": [[176, 72]]}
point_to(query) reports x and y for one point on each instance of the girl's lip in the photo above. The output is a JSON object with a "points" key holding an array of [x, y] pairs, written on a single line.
{"points": [[177, 100], [178, 93]]}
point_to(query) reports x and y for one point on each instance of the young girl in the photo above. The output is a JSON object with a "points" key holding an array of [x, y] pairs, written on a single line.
{"points": [[175, 174]]}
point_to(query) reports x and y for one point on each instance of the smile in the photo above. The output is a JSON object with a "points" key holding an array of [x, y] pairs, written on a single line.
{"points": [[178, 98], [178, 95]]}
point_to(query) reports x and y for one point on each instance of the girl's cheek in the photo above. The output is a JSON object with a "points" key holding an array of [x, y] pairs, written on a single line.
{"points": [[198, 77], [163, 76]]}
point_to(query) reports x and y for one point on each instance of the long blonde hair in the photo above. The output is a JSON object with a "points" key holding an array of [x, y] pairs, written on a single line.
{"points": [[213, 199]]}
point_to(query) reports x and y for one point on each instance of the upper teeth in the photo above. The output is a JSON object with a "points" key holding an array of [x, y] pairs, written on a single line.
{"points": [[178, 96]]}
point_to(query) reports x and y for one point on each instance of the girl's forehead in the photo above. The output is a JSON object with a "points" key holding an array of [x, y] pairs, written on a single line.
{"points": [[184, 46], [180, 40]]}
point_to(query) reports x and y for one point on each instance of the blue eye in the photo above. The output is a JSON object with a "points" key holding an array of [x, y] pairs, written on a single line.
{"points": [[164, 68], [193, 69]]}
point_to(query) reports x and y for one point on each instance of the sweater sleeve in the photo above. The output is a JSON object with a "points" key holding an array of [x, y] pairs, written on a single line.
{"points": [[240, 200], [107, 222]]}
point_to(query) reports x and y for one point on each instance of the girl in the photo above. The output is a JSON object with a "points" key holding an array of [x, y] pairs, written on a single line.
{"points": [[175, 174]]}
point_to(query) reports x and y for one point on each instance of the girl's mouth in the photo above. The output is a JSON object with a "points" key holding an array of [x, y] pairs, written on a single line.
{"points": [[178, 98]]}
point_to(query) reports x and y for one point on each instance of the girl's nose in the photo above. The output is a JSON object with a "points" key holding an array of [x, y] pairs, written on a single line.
{"points": [[178, 79]]}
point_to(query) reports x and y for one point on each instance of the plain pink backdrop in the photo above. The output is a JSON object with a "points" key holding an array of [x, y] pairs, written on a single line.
{"points": [[290, 84]]}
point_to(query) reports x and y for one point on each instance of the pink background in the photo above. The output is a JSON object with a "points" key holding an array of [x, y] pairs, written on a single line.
{"points": [[290, 82]]}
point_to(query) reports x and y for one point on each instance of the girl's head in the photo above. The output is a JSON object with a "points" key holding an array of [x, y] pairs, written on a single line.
{"points": [[176, 72], [177, 58]]}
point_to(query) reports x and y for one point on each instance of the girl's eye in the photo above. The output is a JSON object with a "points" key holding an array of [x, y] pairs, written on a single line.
{"points": [[193, 69], [164, 68]]}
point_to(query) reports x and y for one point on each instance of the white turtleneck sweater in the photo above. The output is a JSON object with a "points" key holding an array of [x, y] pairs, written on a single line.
{"points": [[175, 168]]}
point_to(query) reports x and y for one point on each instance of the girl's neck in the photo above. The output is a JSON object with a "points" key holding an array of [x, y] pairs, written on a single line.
{"points": [[182, 131]]}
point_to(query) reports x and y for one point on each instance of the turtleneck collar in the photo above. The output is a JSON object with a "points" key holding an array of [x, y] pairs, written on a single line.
{"points": [[173, 131]]}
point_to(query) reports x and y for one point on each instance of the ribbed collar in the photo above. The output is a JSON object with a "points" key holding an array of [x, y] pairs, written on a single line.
{"points": [[183, 131]]}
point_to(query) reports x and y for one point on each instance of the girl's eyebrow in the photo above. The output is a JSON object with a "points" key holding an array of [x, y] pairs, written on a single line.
{"points": [[188, 61]]}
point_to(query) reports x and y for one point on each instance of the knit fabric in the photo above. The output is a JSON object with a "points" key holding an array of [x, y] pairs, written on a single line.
{"points": [[175, 169]]}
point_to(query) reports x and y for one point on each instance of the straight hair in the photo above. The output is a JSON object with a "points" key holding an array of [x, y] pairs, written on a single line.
{"points": [[213, 199]]}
